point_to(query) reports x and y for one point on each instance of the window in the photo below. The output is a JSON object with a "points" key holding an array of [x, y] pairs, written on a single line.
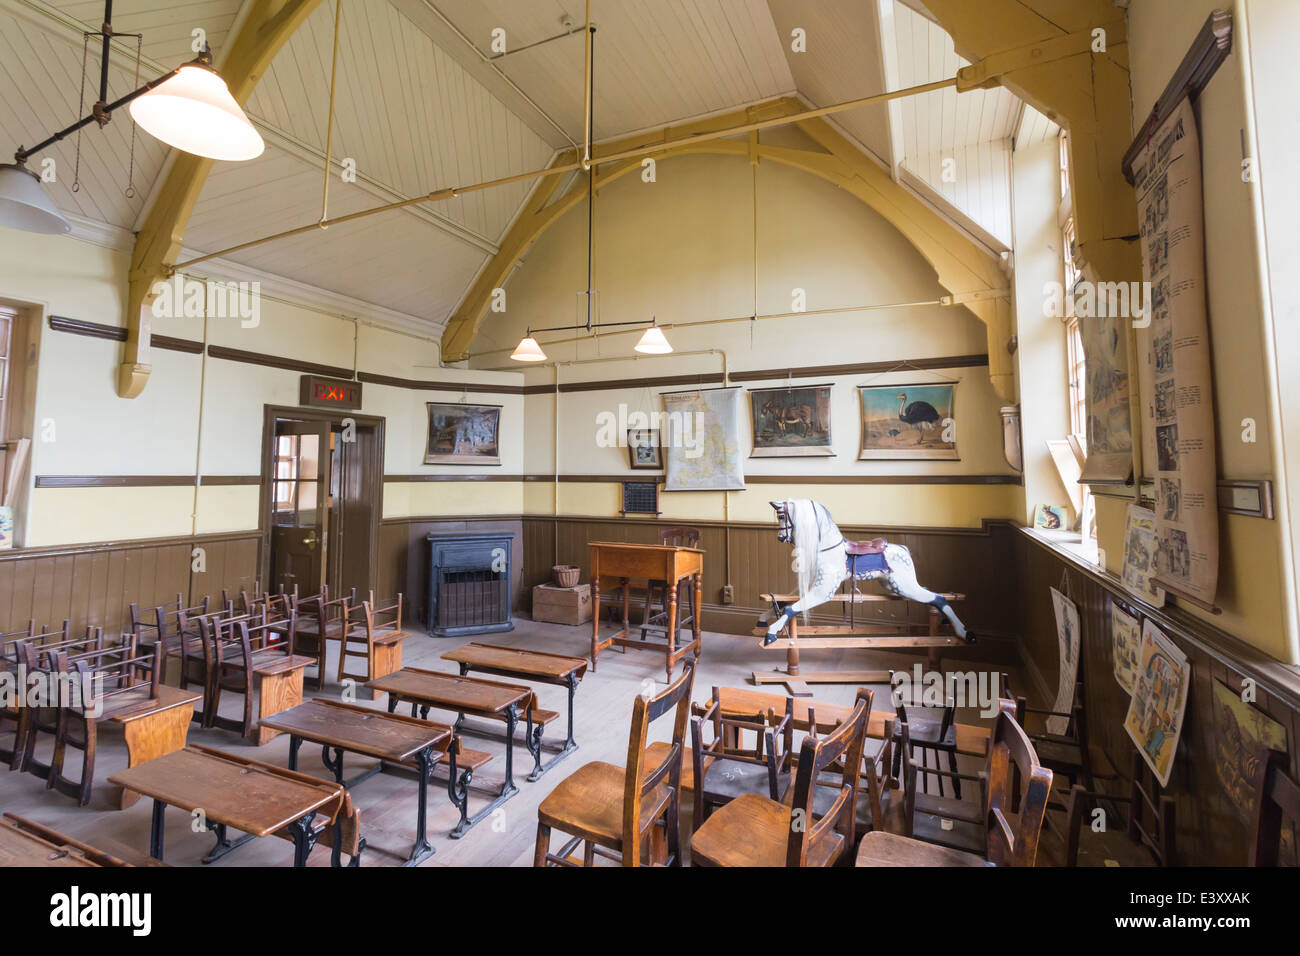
{"points": [[1078, 376]]}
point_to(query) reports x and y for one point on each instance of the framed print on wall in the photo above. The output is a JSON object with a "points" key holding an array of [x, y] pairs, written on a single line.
{"points": [[463, 434], [791, 422], [643, 449], [913, 422]]}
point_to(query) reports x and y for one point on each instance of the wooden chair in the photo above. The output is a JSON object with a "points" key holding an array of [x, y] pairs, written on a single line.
{"points": [[753, 830], [1010, 751], [933, 731], [881, 803], [374, 634], [110, 681], [1277, 798], [724, 769], [1068, 753], [162, 623], [253, 657], [1148, 837], [43, 655], [614, 812], [322, 619], [13, 716], [655, 612]]}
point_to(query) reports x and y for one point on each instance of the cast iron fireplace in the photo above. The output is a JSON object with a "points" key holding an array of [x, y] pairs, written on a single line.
{"points": [[469, 584]]}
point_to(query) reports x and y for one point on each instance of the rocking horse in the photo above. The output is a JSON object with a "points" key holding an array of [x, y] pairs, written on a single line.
{"points": [[823, 560]]}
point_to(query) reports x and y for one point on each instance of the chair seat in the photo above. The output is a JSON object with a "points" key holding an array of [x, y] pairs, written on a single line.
{"points": [[753, 831], [879, 848], [589, 803], [828, 791]]}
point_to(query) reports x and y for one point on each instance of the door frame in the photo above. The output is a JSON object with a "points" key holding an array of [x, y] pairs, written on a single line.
{"points": [[375, 469]]}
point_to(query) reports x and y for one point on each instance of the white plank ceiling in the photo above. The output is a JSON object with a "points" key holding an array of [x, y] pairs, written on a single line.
{"points": [[422, 103]]}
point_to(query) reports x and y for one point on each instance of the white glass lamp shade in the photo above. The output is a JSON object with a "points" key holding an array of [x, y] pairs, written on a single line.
{"points": [[195, 112], [528, 351], [24, 205], [654, 342]]}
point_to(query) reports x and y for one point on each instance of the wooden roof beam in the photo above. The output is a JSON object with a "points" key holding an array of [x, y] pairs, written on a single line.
{"points": [[266, 27]]}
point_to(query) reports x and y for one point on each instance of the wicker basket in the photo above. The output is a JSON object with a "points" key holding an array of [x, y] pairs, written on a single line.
{"points": [[566, 575]]}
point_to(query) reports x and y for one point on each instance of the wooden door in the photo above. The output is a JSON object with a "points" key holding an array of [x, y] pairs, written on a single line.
{"points": [[300, 489]]}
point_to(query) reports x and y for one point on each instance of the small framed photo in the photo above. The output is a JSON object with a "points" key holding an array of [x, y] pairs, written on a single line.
{"points": [[643, 451]]}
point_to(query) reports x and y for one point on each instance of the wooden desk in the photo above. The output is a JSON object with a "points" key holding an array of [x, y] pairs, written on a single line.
{"points": [[20, 848], [14, 828], [646, 562], [972, 739], [526, 665], [254, 799], [152, 728], [341, 728], [426, 690]]}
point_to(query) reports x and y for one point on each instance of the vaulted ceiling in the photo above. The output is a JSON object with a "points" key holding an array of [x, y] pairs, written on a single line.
{"points": [[424, 102]]}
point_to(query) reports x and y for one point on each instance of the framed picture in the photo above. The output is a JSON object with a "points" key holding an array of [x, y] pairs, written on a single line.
{"points": [[908, 422], [463, 434], [643, 449], [791, 422]]}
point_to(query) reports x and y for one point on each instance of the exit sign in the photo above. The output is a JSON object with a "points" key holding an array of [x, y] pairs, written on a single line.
{"points": [[318, 392]]}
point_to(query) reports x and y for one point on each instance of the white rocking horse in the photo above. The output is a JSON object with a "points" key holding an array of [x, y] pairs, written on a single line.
{"points": [[823, 559]]}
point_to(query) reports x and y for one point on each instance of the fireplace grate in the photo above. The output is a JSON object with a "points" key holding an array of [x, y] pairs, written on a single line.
{"points": [[470, 598]]}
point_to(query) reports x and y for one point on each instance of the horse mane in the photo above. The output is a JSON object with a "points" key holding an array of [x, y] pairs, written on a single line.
{"points": [[807, 541]]}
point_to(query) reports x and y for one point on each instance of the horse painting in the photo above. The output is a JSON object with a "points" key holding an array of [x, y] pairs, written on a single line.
{"points": [[823, 559]]}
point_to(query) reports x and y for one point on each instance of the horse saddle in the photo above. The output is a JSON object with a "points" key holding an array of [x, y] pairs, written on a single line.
{"points": [[874, 546]]}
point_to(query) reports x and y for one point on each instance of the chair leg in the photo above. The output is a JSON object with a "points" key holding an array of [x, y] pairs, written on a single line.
{"points": [[249, 686], [55, 772], [543, 844], [588, 854], [88, 764], [952, 765]]}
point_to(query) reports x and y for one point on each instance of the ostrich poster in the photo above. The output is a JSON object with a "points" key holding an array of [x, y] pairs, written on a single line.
{"points": [[909, 422], [791, 422]]}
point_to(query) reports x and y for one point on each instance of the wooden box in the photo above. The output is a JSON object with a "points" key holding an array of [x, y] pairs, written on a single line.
{"points": [[556, 605]]}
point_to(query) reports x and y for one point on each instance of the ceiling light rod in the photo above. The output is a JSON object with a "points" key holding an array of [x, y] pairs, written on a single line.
{"points": [[102, 112], [588, 326], [569, 31]]}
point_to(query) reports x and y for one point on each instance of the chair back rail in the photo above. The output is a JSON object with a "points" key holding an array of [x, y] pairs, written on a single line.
{"points": [[816, 754], [1277, 797], [1011, 752], [641, 780]]}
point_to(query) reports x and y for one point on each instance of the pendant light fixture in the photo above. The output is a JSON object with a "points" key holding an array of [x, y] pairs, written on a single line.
{"points": [[653, 341], [189, 108], [193, 111], [528, 350], [24, 205]]}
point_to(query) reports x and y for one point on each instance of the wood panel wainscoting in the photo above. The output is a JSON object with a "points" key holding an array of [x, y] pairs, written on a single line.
{"points": [[978, 562], [1210, 831], [404, 558], [93, 584]]}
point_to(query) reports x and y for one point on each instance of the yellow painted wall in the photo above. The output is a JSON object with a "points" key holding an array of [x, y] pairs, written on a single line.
{"points": [[205, 416], [682, 248]]}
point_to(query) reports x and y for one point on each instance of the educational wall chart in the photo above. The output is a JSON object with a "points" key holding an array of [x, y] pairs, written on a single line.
{"points": [[1140, 549], [1126, 644], [1155, 712], [1177, 397], [701, 437], [1067, 639]]}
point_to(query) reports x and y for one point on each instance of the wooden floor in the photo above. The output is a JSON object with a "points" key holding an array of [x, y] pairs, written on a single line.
{"points": [[388, 802]]}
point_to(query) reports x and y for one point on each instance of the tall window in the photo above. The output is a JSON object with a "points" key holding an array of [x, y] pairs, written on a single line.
{"points": [[1076, 370], [1078, 375]]}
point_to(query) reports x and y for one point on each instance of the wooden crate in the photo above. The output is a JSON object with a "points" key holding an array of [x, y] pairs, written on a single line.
{"points": [[556, 605]]}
